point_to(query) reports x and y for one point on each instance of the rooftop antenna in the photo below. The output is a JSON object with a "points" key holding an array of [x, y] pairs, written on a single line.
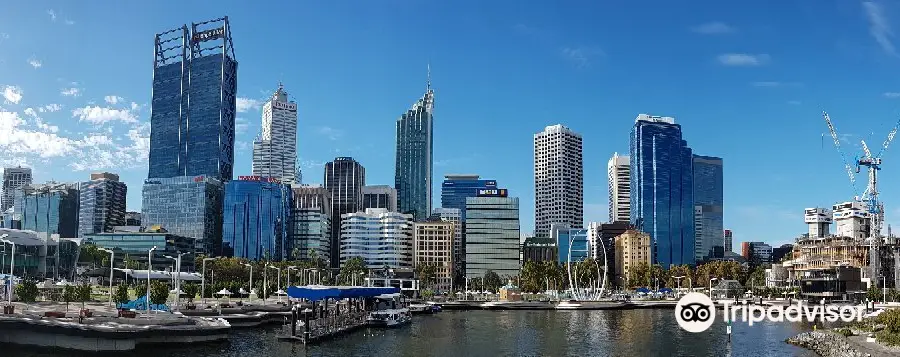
{"points": [[428, 80]]}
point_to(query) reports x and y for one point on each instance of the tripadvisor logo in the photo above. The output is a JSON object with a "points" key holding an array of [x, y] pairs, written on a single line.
{"points": [[695, 312]]}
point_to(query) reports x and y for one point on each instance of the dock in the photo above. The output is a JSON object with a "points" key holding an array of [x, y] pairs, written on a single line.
{"points": [[324, 328]]}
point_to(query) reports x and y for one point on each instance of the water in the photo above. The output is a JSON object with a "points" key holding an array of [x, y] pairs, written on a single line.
{"points": [[505, 333]]}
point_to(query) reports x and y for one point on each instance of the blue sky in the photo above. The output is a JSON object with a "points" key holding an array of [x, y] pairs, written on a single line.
{"points": [[746, 80]]}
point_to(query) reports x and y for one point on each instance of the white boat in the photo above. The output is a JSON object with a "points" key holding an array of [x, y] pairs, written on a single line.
{"points": [[389, 318], [568, 305], [421, 308]]}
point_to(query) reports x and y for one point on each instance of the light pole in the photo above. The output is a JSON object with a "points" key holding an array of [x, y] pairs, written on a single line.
{"points": [[289, 274], [112, 257], [710, 286], [149, 269], [250, 293], [203, 279], [678, 278], [176, 277], [279, 279], [12, 259], [884, 289]]}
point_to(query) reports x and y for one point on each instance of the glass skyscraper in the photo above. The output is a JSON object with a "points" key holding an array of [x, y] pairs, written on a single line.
{"points": [[311, 222], [344, 179], [50, 208], [708, 204], [415, 157], [256, 221], [189, 206], [102, 204], [456, 188], [492, 236], [13, 179], [380, 237], [562, 235], [193, 103], [662, 202]]}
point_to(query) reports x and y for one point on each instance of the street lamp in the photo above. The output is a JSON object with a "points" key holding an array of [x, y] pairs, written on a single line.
{"points": [[279, 278], [176, 278], [710, 286], [289, 275], [12, 259], [250, 293], [203, 280], [678, 278], [112, 257], [149, 269]]}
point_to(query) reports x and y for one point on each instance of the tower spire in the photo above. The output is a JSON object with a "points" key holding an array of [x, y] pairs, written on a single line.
{"points": [[428, 79]]}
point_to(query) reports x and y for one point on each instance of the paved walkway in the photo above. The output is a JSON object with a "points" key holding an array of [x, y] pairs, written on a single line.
{"points": [[872, 348]]}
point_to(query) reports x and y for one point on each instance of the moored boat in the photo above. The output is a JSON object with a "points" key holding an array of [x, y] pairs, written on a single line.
{"points": [[389, 318]]}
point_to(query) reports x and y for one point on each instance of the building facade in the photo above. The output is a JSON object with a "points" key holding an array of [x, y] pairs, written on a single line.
{"points": [[311, 217], [756, 253], [132, 218], [729, 247], [605, 252], [570, 241], [662, 202], [14, 178], [818, 222], [344, 180], [539, 250], [380, 237], [456, 188], [188, 206], [275, 150], [632, 248], [379, 196], [454, 216], [492, 236], [256, 220], [135, 245], [433, 245], [851, 219], [102, 204], [49, 208], [415, 156], [558, 179], [618, 175], [192, 111], [708, 207]]}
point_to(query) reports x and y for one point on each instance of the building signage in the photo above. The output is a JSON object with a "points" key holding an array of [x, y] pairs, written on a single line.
{"points": [[282, 105], [501, 192], [257, 178], [209, 35], [198, 178]]}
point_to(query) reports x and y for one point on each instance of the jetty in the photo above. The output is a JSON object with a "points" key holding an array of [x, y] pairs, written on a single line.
{"points": [[330, 311]]}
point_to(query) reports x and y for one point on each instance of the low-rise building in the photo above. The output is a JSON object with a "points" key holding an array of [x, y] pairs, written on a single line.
{"points": [[135, 246], [539, 250], [632, 248]]}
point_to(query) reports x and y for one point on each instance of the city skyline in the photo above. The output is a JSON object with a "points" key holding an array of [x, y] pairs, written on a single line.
{"points": [[64, 135]]}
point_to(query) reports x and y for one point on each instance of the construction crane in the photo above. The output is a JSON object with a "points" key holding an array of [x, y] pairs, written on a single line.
{"points": [[869, 197]]}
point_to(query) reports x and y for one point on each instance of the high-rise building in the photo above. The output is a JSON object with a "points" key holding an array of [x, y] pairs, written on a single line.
{"points": [[188, 206], [415, 156], [708, 207], [818, 221], [50, 208], [275, 150], [14, 178], [605, 233], [618, 172], [256, 220], [193, 106], [456, 188], [102, 204], [379, 196], [344, 179], [380, 237], [756, 253], [572, 241], [492, 235], [311, 222], [632, 248], [433, 245], [729, 248], [453, 215], [662, 202], [558, 179]]}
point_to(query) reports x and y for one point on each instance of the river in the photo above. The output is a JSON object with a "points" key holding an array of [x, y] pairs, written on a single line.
{"points": [[505, 333]]}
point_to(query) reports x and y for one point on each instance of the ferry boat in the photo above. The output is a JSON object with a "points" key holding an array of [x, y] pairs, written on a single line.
{"points": [[568, 305], [422, 308], [389, 318]]}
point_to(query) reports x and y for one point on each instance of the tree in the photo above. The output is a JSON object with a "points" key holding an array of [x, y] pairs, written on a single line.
{"points": [[532, 277], [639, 275], [83, 293], [353, 267], [874, 294], [27, 291], [191, 290], [121, 294], [683, 271], [426, 274], [69, 295], [159, 293], [492, 281]]}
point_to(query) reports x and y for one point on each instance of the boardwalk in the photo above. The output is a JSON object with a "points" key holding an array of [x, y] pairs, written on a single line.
{"points": [[326, 327]]}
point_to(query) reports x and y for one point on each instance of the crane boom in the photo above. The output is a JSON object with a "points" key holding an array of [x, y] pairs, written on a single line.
{"points": [[837, 145], [890, 138]]}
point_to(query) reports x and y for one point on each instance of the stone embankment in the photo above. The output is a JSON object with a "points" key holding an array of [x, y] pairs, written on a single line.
{"points": [[826, 344]]}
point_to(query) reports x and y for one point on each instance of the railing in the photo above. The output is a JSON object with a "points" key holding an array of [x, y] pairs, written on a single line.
{"points": [[335, 323]]}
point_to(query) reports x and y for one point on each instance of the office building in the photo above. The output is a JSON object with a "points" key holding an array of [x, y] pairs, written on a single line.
{"points": [[135, 246], [539, 250], [618, 175], [415, 156], [662, 202], [380, 196], [102, 204], [380, 237], [433, 245], [36, 254], [193, 106], [311, 217], [132, 218], [570, 242], [51, 208], [256, 219], [708, 207], [187, 206], [782, 253], [605, 233], [456, 188], [344, 179], [453, 215], [756, 253], [558, 179], [851, 219], [492, 235], [729, 248], [632, 248], [275, 150], [13, 179], [818, 222]]}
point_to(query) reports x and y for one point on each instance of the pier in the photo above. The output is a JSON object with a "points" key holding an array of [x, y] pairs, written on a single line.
{"points": [[348, 309]]}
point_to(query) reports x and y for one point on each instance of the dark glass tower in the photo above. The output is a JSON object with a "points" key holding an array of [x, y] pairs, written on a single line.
{"points": [[662, 202], [415, 156], [255, 225], [344, 179], [708, 207], [456, 188], [193, 105], [102, 204], [51, 208]]}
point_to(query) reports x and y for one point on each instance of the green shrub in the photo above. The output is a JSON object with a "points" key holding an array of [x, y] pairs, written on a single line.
{"points": [[27, 291], [121, 294], [844, 331], [891, 320], [887, 338]]}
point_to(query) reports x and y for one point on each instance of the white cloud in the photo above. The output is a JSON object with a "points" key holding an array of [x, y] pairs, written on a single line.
{"points": [[52, 14], [245, 104], [879, 27], [30, 112], [70, 92], [581, 56], [743, 59], [135, 106], [330, 133], [241, 125], [12, 94], [713, 28], [892, 94], [34, 63], [99, 115], [69, 22], [50, 108], [113, 99], [242, 146], [44, 126]]}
